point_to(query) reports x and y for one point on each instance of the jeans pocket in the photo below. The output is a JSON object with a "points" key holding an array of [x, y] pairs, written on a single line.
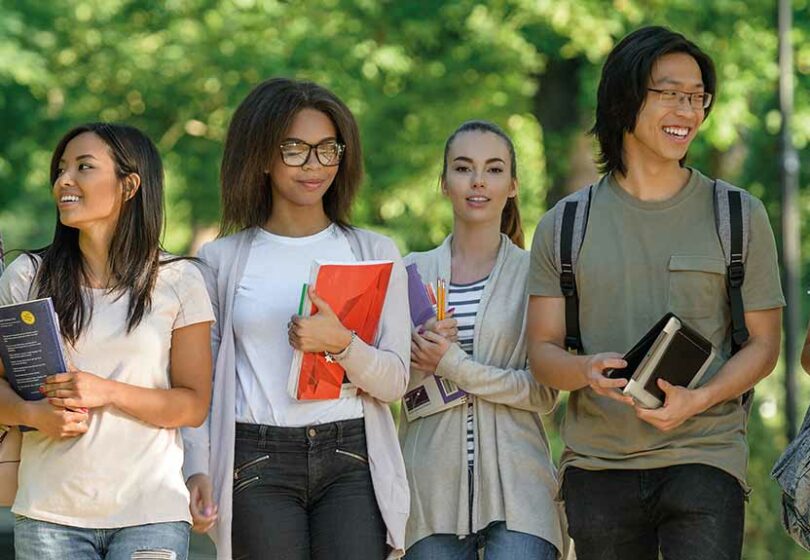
{"points": [[354, 449], [352, 455], [241, 470], [239, 486]]}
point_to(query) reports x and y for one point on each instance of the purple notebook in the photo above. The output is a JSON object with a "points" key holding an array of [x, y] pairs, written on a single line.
{"points": [[421, 308]]}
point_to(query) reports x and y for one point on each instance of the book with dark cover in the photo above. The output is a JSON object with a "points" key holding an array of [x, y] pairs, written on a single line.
{"points": [[30, 345], [672, 351]]}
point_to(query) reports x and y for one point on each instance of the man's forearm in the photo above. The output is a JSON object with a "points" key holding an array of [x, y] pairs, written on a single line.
{"points": [[746, 368], [556, 368]]}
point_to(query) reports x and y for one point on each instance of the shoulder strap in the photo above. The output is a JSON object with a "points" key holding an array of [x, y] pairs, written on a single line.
{"points": [[2, 255], [570, 223], [732, 212]]}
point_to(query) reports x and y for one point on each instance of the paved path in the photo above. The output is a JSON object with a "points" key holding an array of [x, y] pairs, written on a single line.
{"points": [[201, 547]]}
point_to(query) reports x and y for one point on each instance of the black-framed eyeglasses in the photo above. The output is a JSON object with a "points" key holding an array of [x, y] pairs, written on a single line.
{"points": [[698, 100], [295, 153]]}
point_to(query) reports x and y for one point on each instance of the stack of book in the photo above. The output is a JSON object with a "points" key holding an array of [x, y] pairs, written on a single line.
{"points": [[434, 393], [356, 293]]}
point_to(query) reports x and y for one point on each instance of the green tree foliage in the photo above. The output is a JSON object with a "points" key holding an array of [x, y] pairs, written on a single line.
{"points": [[411, 72]]}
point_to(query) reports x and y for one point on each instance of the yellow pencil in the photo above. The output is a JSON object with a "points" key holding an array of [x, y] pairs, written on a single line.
{"points": [[442, 295]]}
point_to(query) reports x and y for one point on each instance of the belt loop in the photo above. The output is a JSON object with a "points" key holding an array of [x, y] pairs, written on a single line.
{"points": [[262, 434], [339, 425]]}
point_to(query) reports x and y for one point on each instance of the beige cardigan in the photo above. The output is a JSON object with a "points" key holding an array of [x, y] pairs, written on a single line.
{"points": [[381, 371], [514, 478]]}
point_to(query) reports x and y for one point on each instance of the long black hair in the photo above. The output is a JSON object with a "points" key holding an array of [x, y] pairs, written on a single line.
{"points": [[624, 82], [510, 216], [135, 253]]}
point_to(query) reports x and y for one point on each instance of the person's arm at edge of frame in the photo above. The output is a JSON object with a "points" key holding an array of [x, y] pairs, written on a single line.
{"points": [[755, 361], [554, 366], [806, 352]]}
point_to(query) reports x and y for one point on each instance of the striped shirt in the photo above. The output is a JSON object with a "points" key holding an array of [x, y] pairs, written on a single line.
{"points": [[465, 299]]}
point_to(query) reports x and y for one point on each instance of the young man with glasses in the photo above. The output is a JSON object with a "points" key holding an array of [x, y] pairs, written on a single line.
{"points": [[638, 481]]}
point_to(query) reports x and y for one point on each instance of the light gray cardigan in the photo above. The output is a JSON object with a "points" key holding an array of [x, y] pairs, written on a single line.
{"points": [[514, 477], [381, 371]]}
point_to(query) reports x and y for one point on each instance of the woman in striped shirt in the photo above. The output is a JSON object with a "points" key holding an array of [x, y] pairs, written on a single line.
{"points": [[480, 473]]}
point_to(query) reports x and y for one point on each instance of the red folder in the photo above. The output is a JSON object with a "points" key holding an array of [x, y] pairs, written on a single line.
{"points": [[356, 293]]}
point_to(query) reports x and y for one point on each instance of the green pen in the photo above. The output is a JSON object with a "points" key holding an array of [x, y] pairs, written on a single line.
{"points": [[303, 299]]}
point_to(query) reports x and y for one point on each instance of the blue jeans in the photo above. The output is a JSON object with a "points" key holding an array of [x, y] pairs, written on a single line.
{"points": [[40, 540], [693, 512], [499, 544]]}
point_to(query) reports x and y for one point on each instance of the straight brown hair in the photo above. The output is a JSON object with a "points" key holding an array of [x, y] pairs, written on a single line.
{"points": [[510, 216], [252, 145]]}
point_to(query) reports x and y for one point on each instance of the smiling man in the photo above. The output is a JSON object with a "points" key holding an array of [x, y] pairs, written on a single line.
{"points": [[637, 482]]}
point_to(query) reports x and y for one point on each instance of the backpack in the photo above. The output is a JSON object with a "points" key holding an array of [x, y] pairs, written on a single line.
{"points": [[792, 473], [732, 213]]}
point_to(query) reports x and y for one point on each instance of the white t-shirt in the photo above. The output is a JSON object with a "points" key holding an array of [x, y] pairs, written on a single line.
{"points": [[122, 472], [267, 296]]}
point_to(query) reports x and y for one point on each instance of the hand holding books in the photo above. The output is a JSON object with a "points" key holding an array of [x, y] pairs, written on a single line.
{"points": [[350, 296], [660, 371], [30, 351], [597, 370], [320, 332], [436, 330], [77, 390]]}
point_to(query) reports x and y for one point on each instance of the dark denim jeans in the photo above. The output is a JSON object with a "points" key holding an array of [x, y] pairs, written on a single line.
{"points": [[305, 493], [689, 512]]}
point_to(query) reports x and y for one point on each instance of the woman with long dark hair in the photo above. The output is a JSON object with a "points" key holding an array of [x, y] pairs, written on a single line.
{"points": [[275, 477], [480, 473], [101, 475]]}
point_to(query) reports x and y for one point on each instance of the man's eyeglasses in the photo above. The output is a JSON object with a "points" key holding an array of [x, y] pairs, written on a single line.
{"points": [[698, 100], [295, 153]]}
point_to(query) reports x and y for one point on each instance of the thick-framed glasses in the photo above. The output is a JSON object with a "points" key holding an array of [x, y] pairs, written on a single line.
{"points": [[295, 153], [698, 100]]}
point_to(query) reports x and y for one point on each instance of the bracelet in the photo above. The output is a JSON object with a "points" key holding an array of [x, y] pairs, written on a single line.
{"points": [[332, 358]]}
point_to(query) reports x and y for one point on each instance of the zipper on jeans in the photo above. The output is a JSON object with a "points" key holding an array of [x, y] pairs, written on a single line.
{"points": [[249, 464], [244, 484], [353, 455]]}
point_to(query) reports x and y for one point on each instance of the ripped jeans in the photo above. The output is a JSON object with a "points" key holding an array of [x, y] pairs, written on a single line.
{"points": [[40, 540]]}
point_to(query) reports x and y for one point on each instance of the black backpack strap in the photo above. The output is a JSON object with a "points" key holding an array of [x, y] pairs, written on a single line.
{"points": [[569, 232], [732, 214], [2, 255]]}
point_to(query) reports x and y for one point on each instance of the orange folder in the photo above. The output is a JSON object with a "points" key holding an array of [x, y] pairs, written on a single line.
{"points": [[356, 293]]}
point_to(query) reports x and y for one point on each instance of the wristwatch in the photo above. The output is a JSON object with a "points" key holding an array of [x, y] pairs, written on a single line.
{"points": [[332, 358]]}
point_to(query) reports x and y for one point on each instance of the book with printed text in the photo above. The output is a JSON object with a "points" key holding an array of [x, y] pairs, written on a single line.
{"points": [[30, 345]]}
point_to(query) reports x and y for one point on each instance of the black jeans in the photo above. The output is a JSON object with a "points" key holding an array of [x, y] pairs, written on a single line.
{"points": [[305, 493], [690, 512]]}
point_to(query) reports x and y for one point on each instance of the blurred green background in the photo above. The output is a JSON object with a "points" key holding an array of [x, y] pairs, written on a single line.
{"points": [[411, 72]]}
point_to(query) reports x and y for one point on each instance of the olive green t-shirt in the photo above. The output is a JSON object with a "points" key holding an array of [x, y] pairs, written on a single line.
{"points": [[640, 260]]}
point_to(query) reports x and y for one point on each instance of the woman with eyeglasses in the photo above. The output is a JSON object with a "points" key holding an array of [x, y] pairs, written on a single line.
{"points": [[272, 476], [100, 477], [480, 473]]}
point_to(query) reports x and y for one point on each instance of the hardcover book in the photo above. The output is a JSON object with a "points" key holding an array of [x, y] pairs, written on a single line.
{"points": [[671, 351], [356, 293]]}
